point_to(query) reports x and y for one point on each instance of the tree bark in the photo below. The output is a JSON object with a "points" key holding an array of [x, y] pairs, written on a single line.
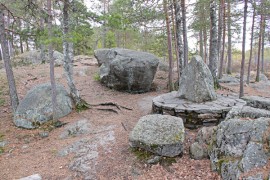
{"points": [[263, 33], [241, 93], [51, 59], [205, 45], [68, 55], [220, 24], [259, 49], [251, 45], [223, 40], [183, 8], [10, 77], [169, 40], [229, 54], [179, 44], [213, 50], [201, 44]]}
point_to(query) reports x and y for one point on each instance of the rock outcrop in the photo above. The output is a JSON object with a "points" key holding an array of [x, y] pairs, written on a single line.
{"points": [[239, 146], [34, 57], [36, 107], [201, 147], [160, 134], [127, 70], [196, 83]]}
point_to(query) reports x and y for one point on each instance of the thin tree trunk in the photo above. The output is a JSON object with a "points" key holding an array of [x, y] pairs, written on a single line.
{"points": [[223, 41], [241, 93], [20, 38], [205, 45], [179, 44], [42, 46], [220, 24], [251, 46], [229, 54], [259, 49], [10, 77], [201, 44], [263, 33], [183, 8], [68, 66], [169, 39], [213, 50], [51, 59]]}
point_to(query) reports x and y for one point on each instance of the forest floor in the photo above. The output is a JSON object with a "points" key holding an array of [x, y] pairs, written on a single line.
{"points": [[102, 151]]}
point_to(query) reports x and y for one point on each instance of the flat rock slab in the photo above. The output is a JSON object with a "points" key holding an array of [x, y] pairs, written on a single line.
{"points": [[257, 102], [159, 134], [195, 114]]}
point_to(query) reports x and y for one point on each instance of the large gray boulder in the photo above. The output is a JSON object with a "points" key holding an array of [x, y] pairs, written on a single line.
{"points": [[34, 57], [159, 134], [239, 146], [196, 83], [36, 107], [127, 70], [104, 55]]}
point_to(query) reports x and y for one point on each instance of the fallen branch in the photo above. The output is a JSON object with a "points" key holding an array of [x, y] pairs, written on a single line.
{"points": [[109, 110]]}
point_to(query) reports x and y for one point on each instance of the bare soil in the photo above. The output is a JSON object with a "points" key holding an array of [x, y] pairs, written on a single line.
{"points": [[28, 153]]}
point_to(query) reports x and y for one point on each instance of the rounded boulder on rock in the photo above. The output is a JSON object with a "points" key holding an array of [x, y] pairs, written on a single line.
{"points": [[160, 134], [127, 70], [36, 108]]}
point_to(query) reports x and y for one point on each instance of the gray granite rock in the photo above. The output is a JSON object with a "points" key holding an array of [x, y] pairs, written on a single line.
{"points": [[258, 176], [78, 128], [228, 79], [197, 151], [104, 56], [254, 156], [229, 170], [247, 112], [159, 134], [237, 146], [32, 177], [257, 102], [36, 107], [127, 70], [196, 83]]}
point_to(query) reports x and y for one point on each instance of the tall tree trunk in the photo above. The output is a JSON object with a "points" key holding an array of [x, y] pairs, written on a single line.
{"points": [[42, 46], [10, 77], [213, 50], [184, 20], [51, 59], [263, 33], [205, 45], [20, 38], [251, 45], [241, 93], [169, 39], [229, 54], [68, 66], [259, 49], [223, 41], [220, 24], [179, 44], [201, 44], [9, 37]]}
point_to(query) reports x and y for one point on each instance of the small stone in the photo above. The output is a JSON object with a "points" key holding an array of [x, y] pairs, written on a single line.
{"points": [[154, 160], [44, 134], [32, 177], [3, 143], [197, 152]]}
